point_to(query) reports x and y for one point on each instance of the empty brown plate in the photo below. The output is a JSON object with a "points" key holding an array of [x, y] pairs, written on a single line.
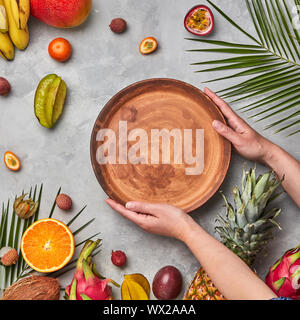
{"points": [[162, 104]]}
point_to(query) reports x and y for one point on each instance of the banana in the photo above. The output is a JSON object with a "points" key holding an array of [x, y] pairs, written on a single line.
{"points": [[24, 9], [7, 50], [15, 12], [3, 18], [20, 10], [20, 37]]}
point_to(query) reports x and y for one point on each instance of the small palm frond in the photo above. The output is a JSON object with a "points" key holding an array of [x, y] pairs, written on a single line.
{"points": [[272, 61], [12, 228]]}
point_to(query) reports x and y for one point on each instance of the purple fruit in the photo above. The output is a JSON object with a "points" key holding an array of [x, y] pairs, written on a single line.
{"points": [[167, 283]]}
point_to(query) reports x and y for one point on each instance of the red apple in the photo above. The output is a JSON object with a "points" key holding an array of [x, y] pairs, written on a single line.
{"points": [[62, 13]]}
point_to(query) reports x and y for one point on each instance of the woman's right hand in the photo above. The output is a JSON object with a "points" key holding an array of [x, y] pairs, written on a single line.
{"points": [[161, 219], [247, 142]]}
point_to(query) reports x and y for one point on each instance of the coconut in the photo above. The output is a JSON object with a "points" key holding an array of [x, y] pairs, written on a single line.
{"points": [[33, 288]]}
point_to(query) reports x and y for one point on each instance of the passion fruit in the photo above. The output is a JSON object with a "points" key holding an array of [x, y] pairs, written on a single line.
{"points": [[167, 283], [199, 21]]}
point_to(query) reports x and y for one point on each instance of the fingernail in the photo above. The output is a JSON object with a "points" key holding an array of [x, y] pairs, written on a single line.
{"points": [[129, 205], [216, 124]]}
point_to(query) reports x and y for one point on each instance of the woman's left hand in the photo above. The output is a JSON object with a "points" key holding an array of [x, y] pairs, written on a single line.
{"points": [[160, 219]]}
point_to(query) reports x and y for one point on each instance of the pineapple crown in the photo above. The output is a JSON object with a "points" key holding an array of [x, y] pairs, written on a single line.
{"points": [[249, 224]]}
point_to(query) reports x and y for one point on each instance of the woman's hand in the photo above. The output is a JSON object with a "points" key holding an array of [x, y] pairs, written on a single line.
{"points": [[160, 219], [233, 278], [251, 145], [247, 142]]}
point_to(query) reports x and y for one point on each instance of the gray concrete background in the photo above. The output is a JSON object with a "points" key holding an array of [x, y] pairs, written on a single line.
{"points": [[101, 65]]}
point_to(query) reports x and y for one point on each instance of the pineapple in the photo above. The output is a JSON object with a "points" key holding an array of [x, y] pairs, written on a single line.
{"points": [[246, 228], [202, 288]]}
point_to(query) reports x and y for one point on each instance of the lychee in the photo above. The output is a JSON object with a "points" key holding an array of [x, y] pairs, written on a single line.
{"points": [[118, 258], [118, 25], [8, 256], [64, 202]]}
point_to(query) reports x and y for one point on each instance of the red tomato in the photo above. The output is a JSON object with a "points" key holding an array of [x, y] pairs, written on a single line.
{"points": [[60, 49]]}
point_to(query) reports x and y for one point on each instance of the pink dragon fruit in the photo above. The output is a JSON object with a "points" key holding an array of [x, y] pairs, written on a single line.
{"points": [[87, 284], [284, 276]]}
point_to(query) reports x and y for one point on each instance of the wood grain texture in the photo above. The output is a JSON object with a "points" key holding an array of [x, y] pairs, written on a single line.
{"points": [[162, 104]]}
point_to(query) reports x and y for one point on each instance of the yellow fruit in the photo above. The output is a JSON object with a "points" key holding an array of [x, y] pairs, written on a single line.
{"points": [[202, 288], [20, 11], [15, 12], [52, 93], [125, 293], [24, 9], [131, 290], [59, 102], [141, 280], [3, 18], [20, 37], [7, 50]]}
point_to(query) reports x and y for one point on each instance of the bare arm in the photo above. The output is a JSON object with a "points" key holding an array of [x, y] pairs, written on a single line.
{"points": [[228, 272], [251, 145]]}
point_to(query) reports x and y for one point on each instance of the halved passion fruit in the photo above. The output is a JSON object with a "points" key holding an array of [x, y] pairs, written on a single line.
{"points": [[199, 21]]}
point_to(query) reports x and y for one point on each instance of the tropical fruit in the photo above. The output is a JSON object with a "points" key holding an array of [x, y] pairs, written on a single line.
{"points": [[245, 230], [135, 287], [202, 288], [284, 276], [60, 49], [3, 18], [148, 45], [118, 258], [87, 283], [33, 288], [47, 245], [118, 25], [49, 100], [11, 161], [63, 13], [25, 208], [18, 13], [7, 50], [167, 283]]}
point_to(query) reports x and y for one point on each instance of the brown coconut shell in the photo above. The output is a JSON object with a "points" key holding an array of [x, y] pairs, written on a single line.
{"points": [[33, 288]]}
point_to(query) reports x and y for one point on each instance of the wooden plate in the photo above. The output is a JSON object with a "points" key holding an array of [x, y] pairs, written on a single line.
{"points": [[162, 104]]}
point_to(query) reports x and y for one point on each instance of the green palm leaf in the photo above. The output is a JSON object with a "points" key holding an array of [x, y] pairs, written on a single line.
{"points": [[12, 228], [272, 61]]}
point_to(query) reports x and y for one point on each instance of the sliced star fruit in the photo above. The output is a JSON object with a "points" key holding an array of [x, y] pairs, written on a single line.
{"points": [[49, 100], [59, 101], [141, 280], [135, 287]]}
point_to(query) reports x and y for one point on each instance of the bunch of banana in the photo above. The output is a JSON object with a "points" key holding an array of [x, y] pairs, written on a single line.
{"points": [[14, 15]]}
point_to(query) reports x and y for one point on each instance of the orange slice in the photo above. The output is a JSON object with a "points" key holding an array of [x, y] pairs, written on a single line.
{"points": [[11, 161], [47, 245], [148, 45]]}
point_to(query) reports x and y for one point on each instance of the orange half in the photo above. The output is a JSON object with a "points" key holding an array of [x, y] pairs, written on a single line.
{"points": [[47, 245], [11, 161]]}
